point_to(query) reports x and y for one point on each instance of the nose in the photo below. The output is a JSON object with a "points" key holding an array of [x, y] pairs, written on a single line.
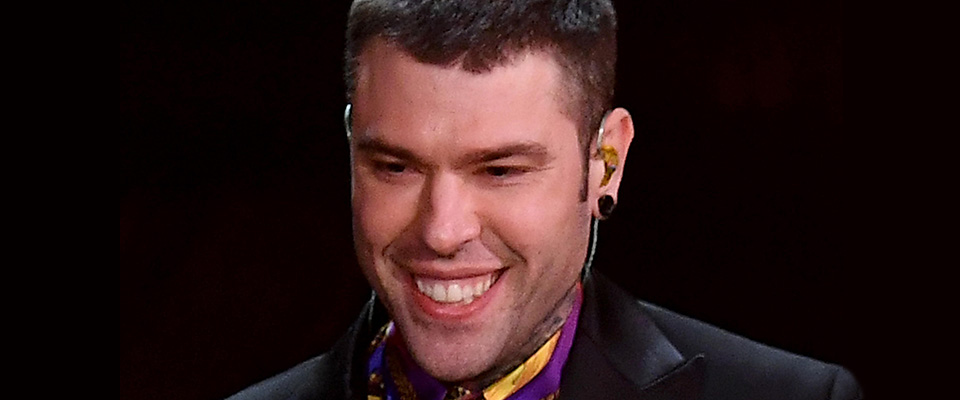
{"points": [[448, 214]]}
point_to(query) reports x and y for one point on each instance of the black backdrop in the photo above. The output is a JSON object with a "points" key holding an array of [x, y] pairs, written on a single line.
{"points": [[235, 246]]}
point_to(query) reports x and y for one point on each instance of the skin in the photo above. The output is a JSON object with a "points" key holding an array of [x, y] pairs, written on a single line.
{"points": [[457, 175]]}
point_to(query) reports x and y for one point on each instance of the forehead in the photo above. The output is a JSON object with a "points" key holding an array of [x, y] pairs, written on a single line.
{"points": [[396, 93]]}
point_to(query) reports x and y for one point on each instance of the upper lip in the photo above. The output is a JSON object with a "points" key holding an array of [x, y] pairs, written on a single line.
{"points": [[449, 270], [461, 273]]}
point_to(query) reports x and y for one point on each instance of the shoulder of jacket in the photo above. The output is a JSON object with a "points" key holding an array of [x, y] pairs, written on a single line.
{"points": [[736, 363], [307, 380]]}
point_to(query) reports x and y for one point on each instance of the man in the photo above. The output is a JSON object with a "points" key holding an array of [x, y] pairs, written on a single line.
{"points": [[483, 150]]}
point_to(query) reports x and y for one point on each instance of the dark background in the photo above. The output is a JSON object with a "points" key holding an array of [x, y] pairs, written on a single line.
{"points": [[235, 241]]}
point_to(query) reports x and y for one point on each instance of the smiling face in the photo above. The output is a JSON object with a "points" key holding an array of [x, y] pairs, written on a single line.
{"points": [[467, 216]]}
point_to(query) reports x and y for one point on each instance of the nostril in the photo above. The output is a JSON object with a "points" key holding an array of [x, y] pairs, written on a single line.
{"points": [[446, 240]]}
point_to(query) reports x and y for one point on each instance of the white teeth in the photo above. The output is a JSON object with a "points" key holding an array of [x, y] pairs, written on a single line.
{"points": [[421, 287], [454, 294], [463, 291], [439, 293]]}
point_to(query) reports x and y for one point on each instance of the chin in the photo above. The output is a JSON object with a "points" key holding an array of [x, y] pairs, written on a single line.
{"points": [[459, 366], [454, 359]]}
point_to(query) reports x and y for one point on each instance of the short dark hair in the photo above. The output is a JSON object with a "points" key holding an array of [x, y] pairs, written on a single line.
{"points": [[482, 34]]}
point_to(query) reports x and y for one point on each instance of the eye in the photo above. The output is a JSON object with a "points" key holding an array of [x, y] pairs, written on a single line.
{"points": [[499, 170], [391, 167], [505, 174], [391, 170]]}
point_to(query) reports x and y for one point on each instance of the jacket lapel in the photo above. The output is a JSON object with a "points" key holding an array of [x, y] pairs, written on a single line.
{"points": [[347, 377], [620, 353]]}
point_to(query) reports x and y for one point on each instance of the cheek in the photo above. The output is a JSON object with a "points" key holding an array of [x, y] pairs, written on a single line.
{"points": [[380, 215], [542, 223], [379, 218]]}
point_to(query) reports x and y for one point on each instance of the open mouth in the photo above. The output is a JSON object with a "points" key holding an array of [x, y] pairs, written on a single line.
{"points": [[453, 291]]}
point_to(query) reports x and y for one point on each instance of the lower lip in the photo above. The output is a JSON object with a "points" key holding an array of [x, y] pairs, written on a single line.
{"points": [[453, 311]]}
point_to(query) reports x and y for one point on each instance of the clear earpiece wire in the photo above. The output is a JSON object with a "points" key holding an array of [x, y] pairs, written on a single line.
{"points": [[595, 226], [593, 248], [346, 120]]}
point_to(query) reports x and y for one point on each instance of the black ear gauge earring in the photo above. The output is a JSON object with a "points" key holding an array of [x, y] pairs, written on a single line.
{"points": [[605, 205]]}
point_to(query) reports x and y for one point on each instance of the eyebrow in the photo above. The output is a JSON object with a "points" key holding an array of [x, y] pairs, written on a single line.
{"points": [[536, 151], [377, 145]]}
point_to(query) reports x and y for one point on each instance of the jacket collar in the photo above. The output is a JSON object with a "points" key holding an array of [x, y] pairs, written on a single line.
{"points": [[618, 351], [354, 348]]}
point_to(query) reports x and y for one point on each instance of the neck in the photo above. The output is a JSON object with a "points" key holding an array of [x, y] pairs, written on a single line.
{"points": [[544, 331]]}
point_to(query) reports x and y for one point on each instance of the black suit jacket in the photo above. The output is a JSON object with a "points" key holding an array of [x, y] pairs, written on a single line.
{"points": [[624, 349]]}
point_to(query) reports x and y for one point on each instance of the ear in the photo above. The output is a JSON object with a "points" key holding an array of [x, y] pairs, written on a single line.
{"points": [[617, 134]]}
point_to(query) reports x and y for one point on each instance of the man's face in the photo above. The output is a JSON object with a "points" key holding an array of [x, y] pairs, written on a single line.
{"points": [[467, 217]]}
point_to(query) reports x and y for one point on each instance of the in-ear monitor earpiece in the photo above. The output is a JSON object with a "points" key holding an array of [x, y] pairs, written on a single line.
{"points": [[607, 153]]}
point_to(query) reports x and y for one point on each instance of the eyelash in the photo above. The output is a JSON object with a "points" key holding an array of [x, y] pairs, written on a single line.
{"points": [[390, 167], [503, 171]]}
